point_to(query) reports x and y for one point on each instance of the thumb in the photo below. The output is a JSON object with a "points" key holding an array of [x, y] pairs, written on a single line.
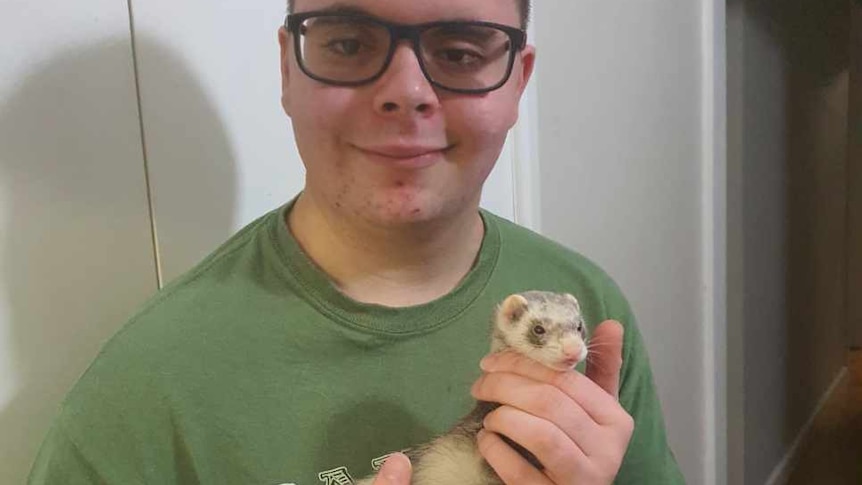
{"points": [[396, 470], [606, 360]]}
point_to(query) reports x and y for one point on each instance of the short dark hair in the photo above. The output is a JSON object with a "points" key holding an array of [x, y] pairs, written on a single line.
{"points": [[523, 4]]}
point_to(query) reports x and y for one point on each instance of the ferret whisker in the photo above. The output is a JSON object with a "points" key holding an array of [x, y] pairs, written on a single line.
{"points": [[599, 344], [592, 361], [596, 353]]}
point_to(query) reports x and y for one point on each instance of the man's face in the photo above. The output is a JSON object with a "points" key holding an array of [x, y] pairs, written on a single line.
{"points": [[400, 150]]}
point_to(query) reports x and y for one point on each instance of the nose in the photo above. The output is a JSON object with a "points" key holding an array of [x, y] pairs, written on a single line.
{"points": [[571, 349], [404, 91]]}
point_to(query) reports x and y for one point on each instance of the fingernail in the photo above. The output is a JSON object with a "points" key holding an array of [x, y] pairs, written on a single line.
{"points": [[396, 469], [485, 363]]}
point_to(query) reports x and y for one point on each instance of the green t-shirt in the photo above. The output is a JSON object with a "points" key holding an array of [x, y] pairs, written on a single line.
{"points": [[253, 369]]}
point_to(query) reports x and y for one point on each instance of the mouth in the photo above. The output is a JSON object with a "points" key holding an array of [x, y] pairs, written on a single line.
{"points": [[405, 156], [569, 363]]}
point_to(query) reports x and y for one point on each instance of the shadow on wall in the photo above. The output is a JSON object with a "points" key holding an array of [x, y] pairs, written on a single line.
{"points": [[77, 254]]}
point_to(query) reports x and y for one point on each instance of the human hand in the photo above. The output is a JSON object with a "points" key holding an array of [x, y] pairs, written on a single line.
{"points": [[572, 423], [396, 470]]}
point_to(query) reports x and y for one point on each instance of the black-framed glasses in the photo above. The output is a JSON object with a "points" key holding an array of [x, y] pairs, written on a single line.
{"points": [[348, 49]]}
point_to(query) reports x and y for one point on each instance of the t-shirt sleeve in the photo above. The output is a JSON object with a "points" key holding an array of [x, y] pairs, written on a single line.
{"points": [[61, 461], [649, 459], [113, 428]]}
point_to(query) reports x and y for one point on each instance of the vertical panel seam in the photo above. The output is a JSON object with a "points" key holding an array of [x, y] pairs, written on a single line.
{"points": [[151, 211]]}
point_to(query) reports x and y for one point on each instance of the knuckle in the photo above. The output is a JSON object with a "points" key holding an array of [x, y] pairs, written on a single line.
{"points": [[628, 423], [558, 452], [499, 419], [555, 407], [492, 420], [480, 386], [487, 445], [486, 386], [543, 401], [604, 472], [546, 443], [562, 380]]}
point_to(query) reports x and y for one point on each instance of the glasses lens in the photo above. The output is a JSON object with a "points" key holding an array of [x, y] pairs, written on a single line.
{"points": [[465, 56], [343, 49]]}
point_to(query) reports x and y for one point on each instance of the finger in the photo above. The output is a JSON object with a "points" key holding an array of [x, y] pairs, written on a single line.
{"points": [[556, 451], [603, 367], [396, 470], [543, 401], [510, 466], [599, 405]]}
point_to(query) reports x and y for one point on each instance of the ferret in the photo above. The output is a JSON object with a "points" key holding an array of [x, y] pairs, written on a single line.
{"points": [[547, 327]]}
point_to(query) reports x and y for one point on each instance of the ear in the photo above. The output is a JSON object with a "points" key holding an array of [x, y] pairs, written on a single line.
{"points": [[513, 307], [574, 301], [284, 45], [528, 62]]}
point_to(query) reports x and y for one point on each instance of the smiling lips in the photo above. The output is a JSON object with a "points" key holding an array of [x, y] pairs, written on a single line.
{"points": [[415, 156]]}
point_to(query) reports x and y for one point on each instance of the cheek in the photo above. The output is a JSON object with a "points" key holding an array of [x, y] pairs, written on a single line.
{"points": [[486, 119], [548, 356], [321, 111], [482, 125]]}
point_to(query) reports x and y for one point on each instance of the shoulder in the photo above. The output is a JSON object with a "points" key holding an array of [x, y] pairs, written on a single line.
{"points": [[232, 260], [185, 317], [544, 261]]}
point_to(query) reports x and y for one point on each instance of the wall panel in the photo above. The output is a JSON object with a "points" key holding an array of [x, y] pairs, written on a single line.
{"points": [[76, 252]]}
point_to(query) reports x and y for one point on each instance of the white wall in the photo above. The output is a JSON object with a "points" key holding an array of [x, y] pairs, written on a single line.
{"points": [[77, 252], [630, 112], [622, 94], [75, 243]]}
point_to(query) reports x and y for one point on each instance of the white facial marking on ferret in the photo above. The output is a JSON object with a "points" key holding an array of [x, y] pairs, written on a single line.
{"points": [[546, 327]]}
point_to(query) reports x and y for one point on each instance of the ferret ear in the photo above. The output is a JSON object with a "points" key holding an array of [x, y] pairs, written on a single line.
{"points": [[574, 300], [513, 307]]}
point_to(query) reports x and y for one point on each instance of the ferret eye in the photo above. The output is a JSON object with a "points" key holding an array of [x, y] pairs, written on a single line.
{"points": [[539, 330]]}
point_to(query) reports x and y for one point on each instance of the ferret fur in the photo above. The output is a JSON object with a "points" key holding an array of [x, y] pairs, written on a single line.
{"points": [[454, 458]]}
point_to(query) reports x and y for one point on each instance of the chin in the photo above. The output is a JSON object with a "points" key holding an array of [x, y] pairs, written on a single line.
{"points": [[563, 365], [406, 208], [395, 213]]}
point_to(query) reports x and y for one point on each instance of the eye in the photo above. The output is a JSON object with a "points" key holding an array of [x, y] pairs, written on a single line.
{"points": [[539, 330], [580, 327], [346, 47], [459, 56]]}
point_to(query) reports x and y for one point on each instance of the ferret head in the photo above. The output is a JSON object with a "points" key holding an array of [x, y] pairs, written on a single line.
{"points": [[547, 327]]}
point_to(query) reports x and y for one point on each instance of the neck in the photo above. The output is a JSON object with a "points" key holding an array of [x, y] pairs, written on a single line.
{"points": [[395, 266]]}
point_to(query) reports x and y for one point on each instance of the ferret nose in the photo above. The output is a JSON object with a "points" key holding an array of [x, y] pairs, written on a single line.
{"points": [[571, 349]]}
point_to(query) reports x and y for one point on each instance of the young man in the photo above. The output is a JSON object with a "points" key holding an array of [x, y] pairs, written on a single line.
{"points": [[348, 324]]}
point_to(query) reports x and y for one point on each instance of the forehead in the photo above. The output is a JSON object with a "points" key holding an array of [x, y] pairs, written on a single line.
{"points": [[553, 308], [411, 12]]}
